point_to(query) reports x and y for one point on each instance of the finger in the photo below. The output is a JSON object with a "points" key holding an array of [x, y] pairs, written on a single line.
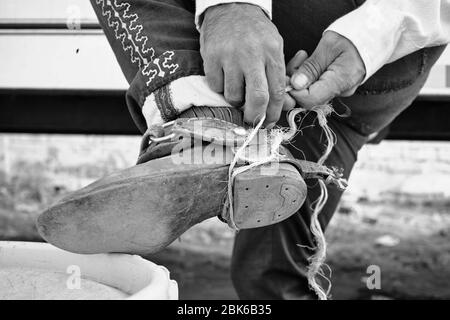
{"points": [[296, 62], [256, 95], [349, 93], [287, 81], [310, 70], [289, 103], [214, 76], [320, 92], [234, 87], [276, 79]]}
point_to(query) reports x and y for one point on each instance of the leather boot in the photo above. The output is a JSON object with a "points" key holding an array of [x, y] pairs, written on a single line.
{"points": [[142, 209]]}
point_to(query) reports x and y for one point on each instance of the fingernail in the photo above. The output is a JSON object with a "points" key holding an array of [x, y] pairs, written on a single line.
{"points": [[300, 81], [300, 52]]}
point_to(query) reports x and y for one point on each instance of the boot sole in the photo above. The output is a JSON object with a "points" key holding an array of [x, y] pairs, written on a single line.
{"points": [[267, 195], [143, 209]]}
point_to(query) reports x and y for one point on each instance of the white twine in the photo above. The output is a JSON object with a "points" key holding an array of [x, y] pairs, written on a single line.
{"points": [[289, 135], [318, 258], [276, 138], [232, 173]]}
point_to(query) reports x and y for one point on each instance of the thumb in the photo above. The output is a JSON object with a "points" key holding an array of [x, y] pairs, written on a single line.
{"points": [[309, 72]]}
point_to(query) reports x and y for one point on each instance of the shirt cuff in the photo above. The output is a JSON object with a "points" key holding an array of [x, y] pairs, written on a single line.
{"points": [[373, 31], [202, 5]]}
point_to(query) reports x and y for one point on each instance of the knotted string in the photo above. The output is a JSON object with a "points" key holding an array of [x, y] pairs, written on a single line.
{"points": [[232, 172], [275, 139], [317, 260]]}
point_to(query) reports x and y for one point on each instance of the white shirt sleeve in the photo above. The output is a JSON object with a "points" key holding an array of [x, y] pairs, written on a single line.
{"points": [[386, 30], [202, 5]]}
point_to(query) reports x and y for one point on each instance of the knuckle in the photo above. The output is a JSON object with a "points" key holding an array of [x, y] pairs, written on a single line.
{"points": [[277, 95], [260, 98], [330, 38], [257, 83], [278, 66], [274, 45], [313, 67]]}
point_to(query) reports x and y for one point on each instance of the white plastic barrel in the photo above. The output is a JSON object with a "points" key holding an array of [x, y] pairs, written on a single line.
{"points": [[136, 277]]}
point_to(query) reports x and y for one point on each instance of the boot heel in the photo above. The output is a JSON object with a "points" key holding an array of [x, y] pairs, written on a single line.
{"points": [[266, 195]]}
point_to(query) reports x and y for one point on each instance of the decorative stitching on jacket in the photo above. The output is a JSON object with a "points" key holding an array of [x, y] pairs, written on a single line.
{"points": [[127, 30], [130, 33], [156, 68]]}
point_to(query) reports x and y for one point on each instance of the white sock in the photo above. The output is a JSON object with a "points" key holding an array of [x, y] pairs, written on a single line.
{"points": [[185, 92]]}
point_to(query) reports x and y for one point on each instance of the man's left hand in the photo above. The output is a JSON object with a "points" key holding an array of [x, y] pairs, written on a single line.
{"points": [[335, 69]]}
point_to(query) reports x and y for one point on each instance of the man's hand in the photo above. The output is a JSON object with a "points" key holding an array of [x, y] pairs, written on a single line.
{"points": [[243, 59], [335, 69]]}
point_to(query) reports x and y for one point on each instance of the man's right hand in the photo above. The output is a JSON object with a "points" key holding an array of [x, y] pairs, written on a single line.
{"points": [[243, 58]]}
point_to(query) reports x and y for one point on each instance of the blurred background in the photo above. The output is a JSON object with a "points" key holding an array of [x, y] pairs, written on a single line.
{"points": [[64, 124]]}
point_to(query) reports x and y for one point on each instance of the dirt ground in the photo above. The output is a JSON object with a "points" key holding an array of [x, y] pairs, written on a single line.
{"points": [[395, 215], [411, 246]]}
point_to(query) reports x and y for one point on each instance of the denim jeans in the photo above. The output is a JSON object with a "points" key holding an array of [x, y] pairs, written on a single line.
{"points": [[156, 42]]}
